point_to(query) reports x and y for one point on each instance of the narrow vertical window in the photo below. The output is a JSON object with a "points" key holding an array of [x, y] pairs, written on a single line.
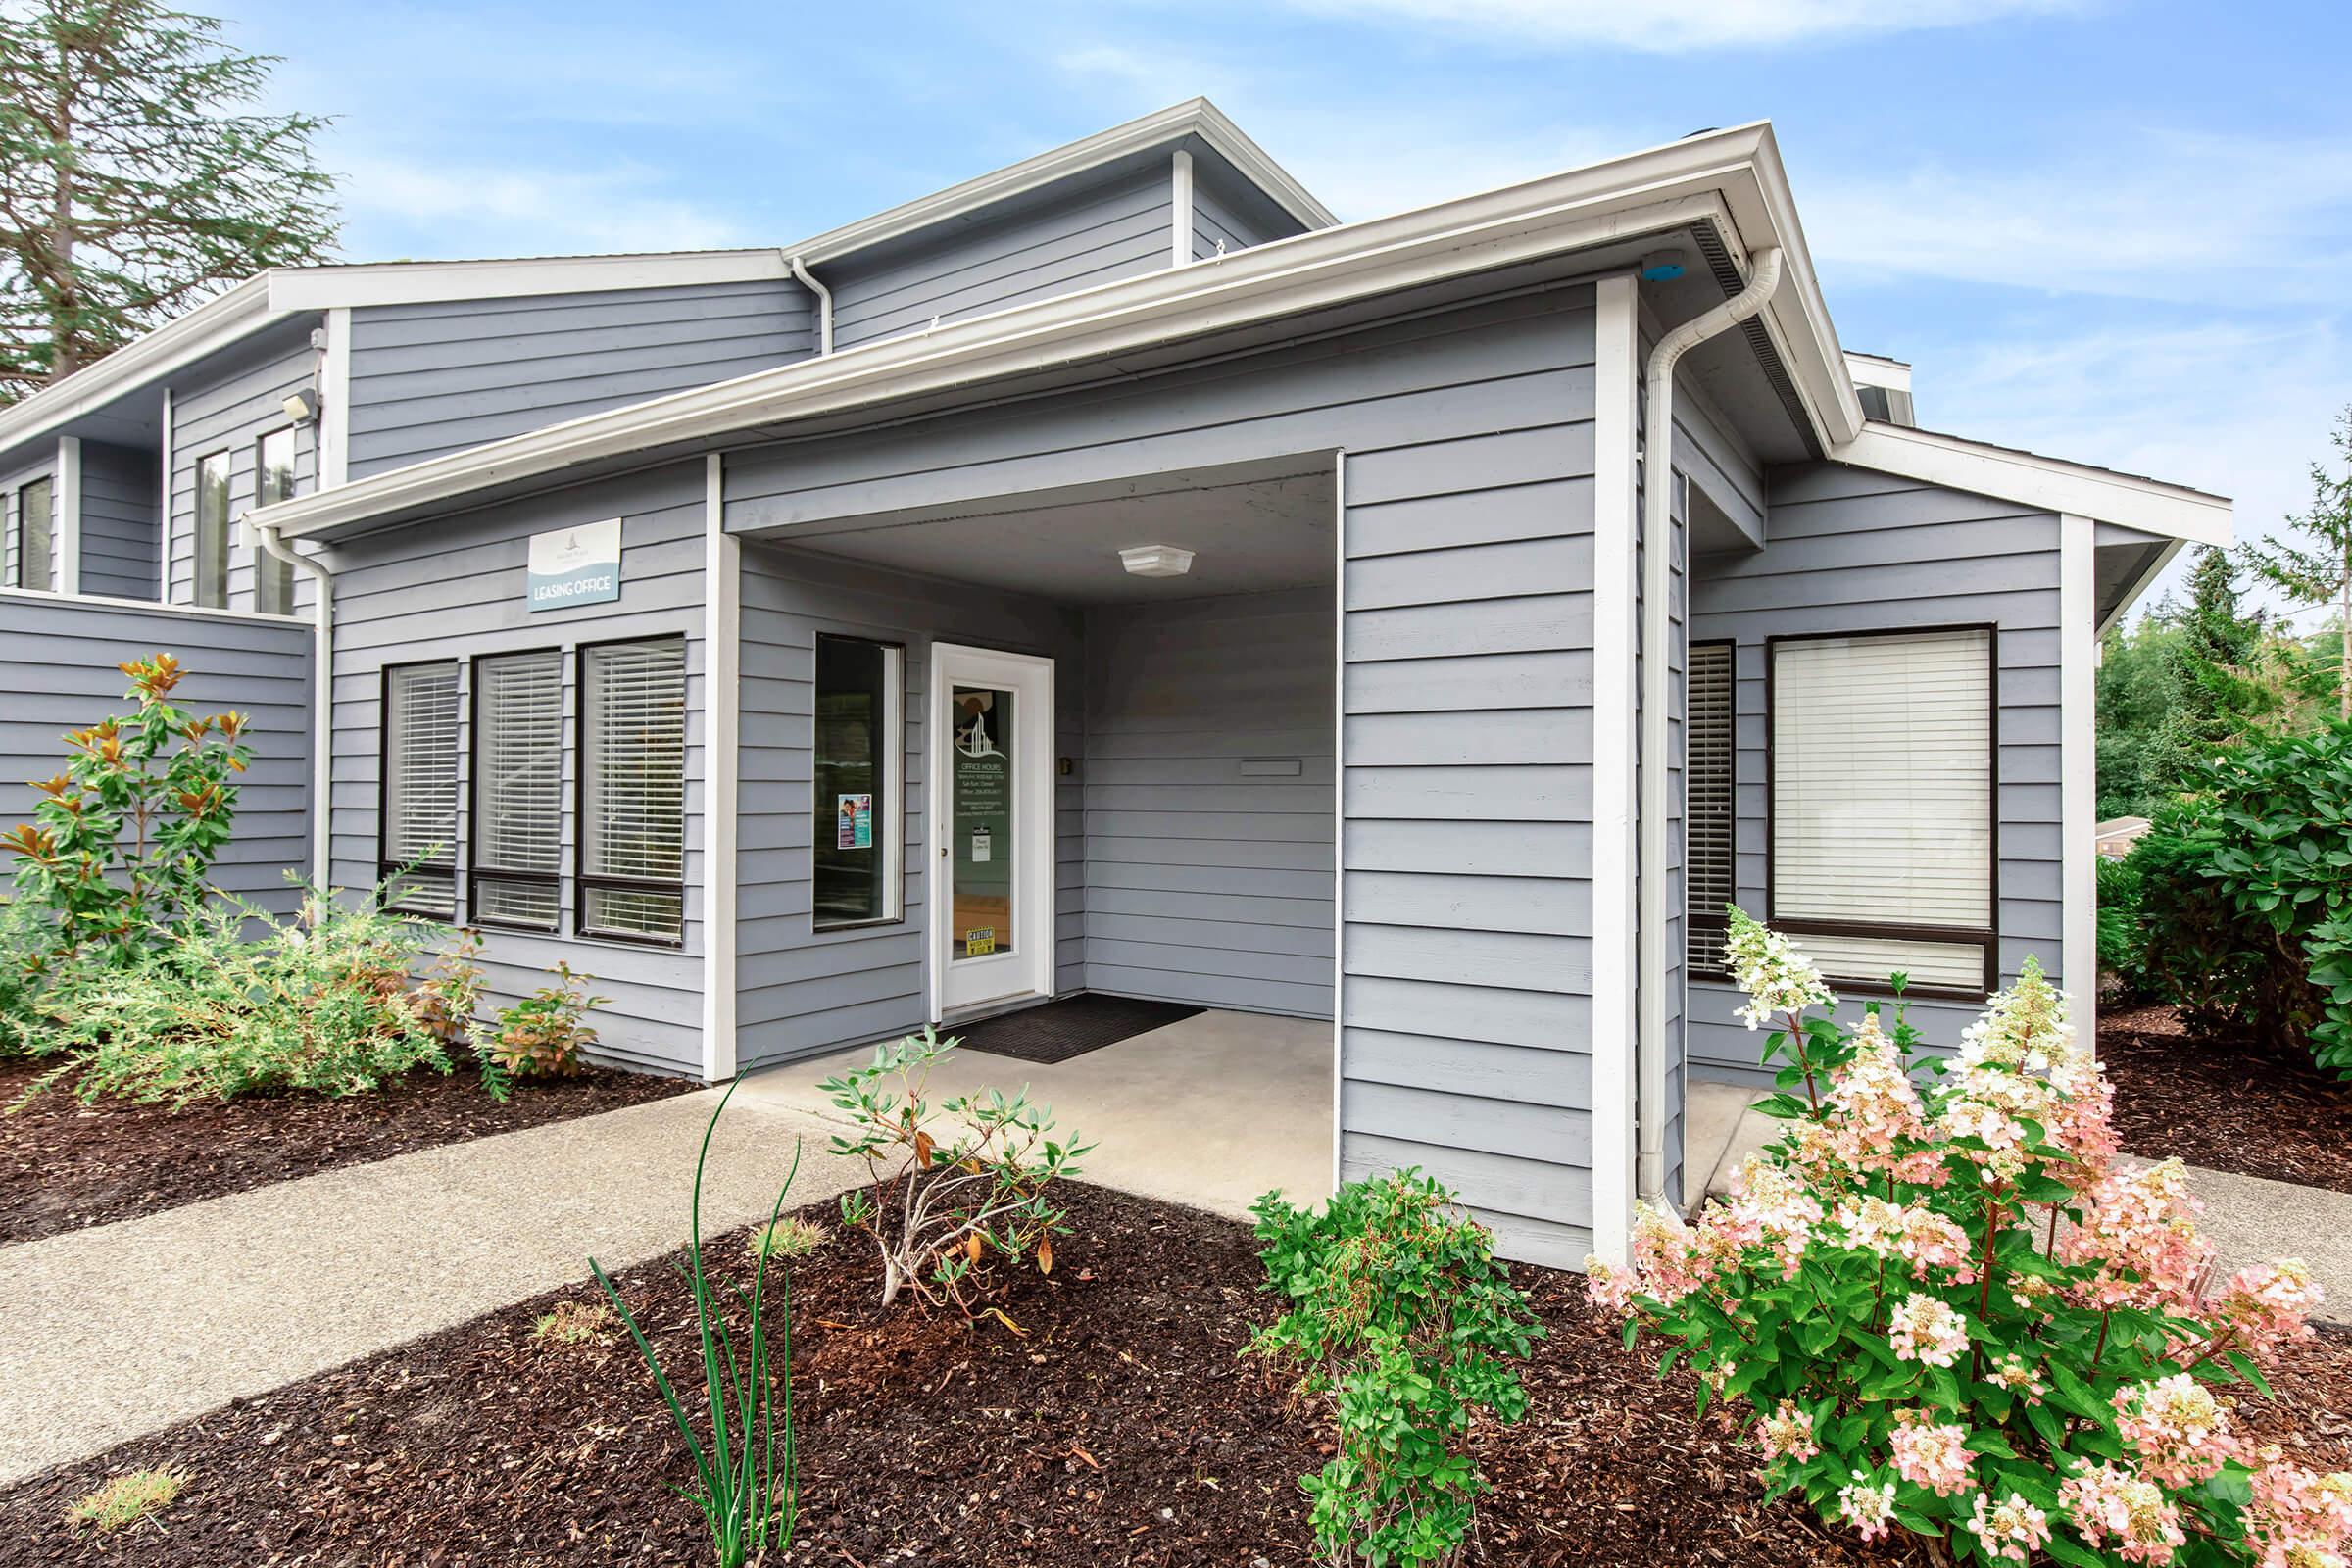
{"points": [[859, 745], [517, 835], [1708, 865], [211, 531], [632, 871], [417, 856], [272, 481], [36, 533], [1883, 805]]}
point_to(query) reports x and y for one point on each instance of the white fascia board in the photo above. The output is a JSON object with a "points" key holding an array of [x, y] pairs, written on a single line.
{"points": [[1796, 318], [1870, 369], [2048, 484], [321, 288], [168, 348], [1195, 117], [1662, 190]]}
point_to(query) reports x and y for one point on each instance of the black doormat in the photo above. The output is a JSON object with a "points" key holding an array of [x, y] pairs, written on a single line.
{"points": [[1056, 1031]]}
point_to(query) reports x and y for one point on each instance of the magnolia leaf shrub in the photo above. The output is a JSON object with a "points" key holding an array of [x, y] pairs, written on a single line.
{"points": [[1949, 1311], [543, 1035], [955, 1181], [449, 999], [2246, 896], [244, 1001], [121, 847], [1404, 1326]]}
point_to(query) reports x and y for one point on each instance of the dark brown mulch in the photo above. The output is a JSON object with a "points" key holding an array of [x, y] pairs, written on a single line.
{"points": [[2239, 1105], [1118, 1428], [67, 1165]]}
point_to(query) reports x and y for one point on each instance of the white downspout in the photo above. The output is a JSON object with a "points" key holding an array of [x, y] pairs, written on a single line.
{"points": [[1657, 626], [322, 695], [824, 304]]}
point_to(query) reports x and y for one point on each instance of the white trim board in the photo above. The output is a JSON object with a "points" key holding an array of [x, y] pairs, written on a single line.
{"points": [[1616, 503], [2051, 484], [2078, 672], [722, 660], [68, 513]]}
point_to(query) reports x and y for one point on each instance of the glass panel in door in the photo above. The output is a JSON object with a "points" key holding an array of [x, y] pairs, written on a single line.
{"points": [[980, 824]]}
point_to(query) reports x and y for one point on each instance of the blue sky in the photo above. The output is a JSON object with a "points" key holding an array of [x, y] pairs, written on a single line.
{"points": [[2101, 229]]}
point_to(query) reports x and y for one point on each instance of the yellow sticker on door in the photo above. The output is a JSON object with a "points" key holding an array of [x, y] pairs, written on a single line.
{"points": [[979, 941]]}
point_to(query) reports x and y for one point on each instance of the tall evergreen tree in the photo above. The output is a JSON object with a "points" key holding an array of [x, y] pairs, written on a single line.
{"points": [[2320, 572], [135, 178]]}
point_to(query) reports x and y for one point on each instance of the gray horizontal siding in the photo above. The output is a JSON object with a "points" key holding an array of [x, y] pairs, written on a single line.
{"points": [[1229, 215], [59, 663], [1180, 698], [230, 413], [1467, 726], [438, 378], [1854, 551], [453, 589], [121, 538], [1095, 234], [801, 990]]}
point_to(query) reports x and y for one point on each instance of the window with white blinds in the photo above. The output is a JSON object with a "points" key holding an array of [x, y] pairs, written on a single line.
{"points": [[417, 856], [632, 856], [36, 534], [1707, 820], [1883, 805], [519, 789]]}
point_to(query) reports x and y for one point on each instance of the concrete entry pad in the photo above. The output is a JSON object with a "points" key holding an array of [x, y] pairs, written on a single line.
{"points": [[1210, 1112]]}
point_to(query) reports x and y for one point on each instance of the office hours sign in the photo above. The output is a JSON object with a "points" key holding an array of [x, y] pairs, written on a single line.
{"points": [[576, 566]]}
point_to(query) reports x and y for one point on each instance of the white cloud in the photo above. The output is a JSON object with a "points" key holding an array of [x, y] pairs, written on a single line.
{"points": [[2162, 214], [397, 208], [1691, 24]]}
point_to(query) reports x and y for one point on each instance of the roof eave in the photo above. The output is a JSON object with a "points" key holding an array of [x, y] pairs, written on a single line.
{"points": [[2048, 484]]}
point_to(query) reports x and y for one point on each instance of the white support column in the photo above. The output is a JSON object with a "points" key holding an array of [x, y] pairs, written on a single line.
{"points": [[1339, 816], [1180, 230], [69, 513], [1616, 491], [722, 649], [2077, 671], [163, 504]]}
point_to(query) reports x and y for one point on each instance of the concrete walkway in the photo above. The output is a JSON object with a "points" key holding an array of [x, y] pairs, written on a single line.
{"points": [[2249, 1218], [109, 1332]]}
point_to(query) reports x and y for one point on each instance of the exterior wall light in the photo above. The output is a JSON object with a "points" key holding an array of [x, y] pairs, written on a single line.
{"points": [[1156, 561]]}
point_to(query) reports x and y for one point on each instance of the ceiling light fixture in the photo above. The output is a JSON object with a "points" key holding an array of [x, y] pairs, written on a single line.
{"points": [[1156, 561]]}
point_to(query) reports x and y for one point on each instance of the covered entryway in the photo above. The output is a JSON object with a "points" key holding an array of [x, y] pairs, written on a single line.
{"points": [[1060, 742]]}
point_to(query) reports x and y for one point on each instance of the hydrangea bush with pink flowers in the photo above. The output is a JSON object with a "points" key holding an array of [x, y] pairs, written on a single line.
{"points": [[1950, 1310]]}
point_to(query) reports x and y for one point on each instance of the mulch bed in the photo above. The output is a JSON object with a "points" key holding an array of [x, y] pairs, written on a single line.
{"points": [[2241, 1104], [67, 1165]]}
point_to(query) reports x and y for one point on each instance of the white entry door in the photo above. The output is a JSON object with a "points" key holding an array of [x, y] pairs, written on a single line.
{"points": [[992, 828]]}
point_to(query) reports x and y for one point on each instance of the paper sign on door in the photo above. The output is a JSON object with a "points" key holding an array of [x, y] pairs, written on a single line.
{"points": [[982, 843], [979, 941]]}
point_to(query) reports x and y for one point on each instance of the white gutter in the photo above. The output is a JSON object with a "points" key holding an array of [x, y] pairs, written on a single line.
{"points": [[824, 304], [322, 694], [1657, 627], [167, 348]]}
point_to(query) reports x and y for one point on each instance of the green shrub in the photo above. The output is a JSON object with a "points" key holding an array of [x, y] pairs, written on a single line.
{"points": [[2246, 896], [28, 944], [243, 1001], [543, 1035], [2121, 942], [955, 1180], [1405, 1323], [122, 844]]}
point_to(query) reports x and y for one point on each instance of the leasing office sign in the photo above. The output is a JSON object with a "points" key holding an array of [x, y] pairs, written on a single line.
{"points": [[578, 566]]}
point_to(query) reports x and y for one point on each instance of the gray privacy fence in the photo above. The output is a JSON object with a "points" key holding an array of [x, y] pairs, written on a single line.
{"points": [[60, 659]]}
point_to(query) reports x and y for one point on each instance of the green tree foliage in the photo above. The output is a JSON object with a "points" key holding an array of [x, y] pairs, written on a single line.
{"points": [[135, 178], [2320, 572]]}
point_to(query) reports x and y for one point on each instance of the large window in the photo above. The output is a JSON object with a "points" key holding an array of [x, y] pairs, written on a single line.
{"points": [[419, 822], [36, 533], [211, 531], [632, 856], [272, 481], [858, 752], [1709, 869], [1883, 805], [519, 789]]}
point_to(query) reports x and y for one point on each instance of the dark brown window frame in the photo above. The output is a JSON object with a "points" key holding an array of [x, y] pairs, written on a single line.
{"points": [[897, 811], [1989, 937], [475, 869], [385, 867], [582, 880], [1715, 921]]}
